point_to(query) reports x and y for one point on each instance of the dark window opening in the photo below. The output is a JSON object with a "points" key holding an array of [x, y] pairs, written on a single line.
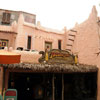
{"points": [[6, 18], [29, 42], [59, 44]]}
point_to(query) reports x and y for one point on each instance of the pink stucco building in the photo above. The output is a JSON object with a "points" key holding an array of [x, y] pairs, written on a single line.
{"points": [[19, 30], [26, 34]]}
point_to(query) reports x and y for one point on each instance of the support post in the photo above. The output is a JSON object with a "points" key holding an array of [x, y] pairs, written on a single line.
{"points": [[1, 79], [62, 87], [6, 79], [53, 89]]}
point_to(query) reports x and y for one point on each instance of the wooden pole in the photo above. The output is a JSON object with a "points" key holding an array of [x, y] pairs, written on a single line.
{"points": [[1, 79], [53, 89], [6, 78], [62, 87]]}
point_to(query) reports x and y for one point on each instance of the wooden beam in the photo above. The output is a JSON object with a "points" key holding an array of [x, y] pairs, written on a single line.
{"points": [[68, 49], [73, 30], [6, 79], [71, 35], [71, 39], [69, 45]]}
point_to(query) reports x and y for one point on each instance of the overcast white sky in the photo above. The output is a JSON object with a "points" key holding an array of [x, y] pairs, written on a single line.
{"points": [[54, 14]]}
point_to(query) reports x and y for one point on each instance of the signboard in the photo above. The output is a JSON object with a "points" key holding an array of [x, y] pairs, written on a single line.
{"points": [[10, 94], [3, 43], [57, 56]]}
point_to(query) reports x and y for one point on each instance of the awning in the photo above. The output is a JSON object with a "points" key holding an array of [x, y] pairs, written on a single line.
{"points": [[9, 57], [53, 68]]}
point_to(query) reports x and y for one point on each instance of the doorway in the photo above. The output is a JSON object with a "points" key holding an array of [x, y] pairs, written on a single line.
{"points": [[48, 45]]}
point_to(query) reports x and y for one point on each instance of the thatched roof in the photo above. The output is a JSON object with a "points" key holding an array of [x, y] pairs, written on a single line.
{"points": [[59, 68]]}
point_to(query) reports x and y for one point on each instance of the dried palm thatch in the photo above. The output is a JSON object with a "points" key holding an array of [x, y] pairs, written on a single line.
{"points": [[55, 68]]}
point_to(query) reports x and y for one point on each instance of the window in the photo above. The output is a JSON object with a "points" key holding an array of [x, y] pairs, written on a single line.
{"points": [[29, 42], [12, 16], [30, 19], [6, 18], [59, 44]]}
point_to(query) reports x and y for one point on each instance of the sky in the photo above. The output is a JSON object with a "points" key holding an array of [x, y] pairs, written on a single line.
{"points": [[55, 14]]}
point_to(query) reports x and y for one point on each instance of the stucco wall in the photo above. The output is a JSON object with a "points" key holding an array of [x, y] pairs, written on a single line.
{"points": [[39, 37], [87, 43], [11, 37]]}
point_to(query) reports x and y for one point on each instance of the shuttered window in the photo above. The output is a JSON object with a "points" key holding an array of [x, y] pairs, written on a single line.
{"points": [[6, 18]]}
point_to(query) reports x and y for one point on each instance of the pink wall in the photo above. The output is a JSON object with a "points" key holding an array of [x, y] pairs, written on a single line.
{"points": [[86, 43], [11, 37], [38, 35]]}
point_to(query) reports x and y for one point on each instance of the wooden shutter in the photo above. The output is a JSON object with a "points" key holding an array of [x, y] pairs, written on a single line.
{"points": [[4, 18], [8, 17]]}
